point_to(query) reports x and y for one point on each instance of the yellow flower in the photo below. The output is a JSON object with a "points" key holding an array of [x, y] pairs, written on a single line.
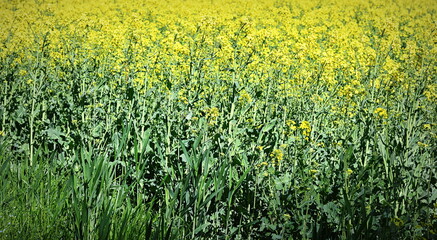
{"points": [[244, 97], [262, 164], [277, 155], [381, 112], [22, 72], [421, 144], [291, 127], [212, 112], [430, 92], [212, 115], [182, 96], [306, 127]]}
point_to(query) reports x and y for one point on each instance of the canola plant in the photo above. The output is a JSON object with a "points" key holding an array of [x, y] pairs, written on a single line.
{"points": [[218, 119]]}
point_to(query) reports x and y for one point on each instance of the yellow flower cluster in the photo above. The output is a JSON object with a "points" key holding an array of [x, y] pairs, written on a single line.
{"points": [[291, 125], [139, 38], [381, 112], [244, 97], [212, 115], [336, 53], [306, 128], [277, 156]]}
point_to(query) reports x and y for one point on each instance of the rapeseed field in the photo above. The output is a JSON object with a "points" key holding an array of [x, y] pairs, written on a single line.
{"points": [[218, 119]]}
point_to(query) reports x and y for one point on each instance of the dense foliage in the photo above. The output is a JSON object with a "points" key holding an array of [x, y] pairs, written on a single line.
{"points": [[218, 119]]}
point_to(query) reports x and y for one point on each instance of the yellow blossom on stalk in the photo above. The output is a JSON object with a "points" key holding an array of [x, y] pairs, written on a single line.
{"points": [[244, 97], [427, 126], [291, 124], [182, 97], [277, 155], [316, 98], [212, 115], [262, 164], [381, 112], [306, 128], [431, 92], [22, 72]]}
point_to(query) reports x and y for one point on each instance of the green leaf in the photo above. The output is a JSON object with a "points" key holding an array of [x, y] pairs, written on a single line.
{"points": [[55, 134], [269, 126], [201, 227]]}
